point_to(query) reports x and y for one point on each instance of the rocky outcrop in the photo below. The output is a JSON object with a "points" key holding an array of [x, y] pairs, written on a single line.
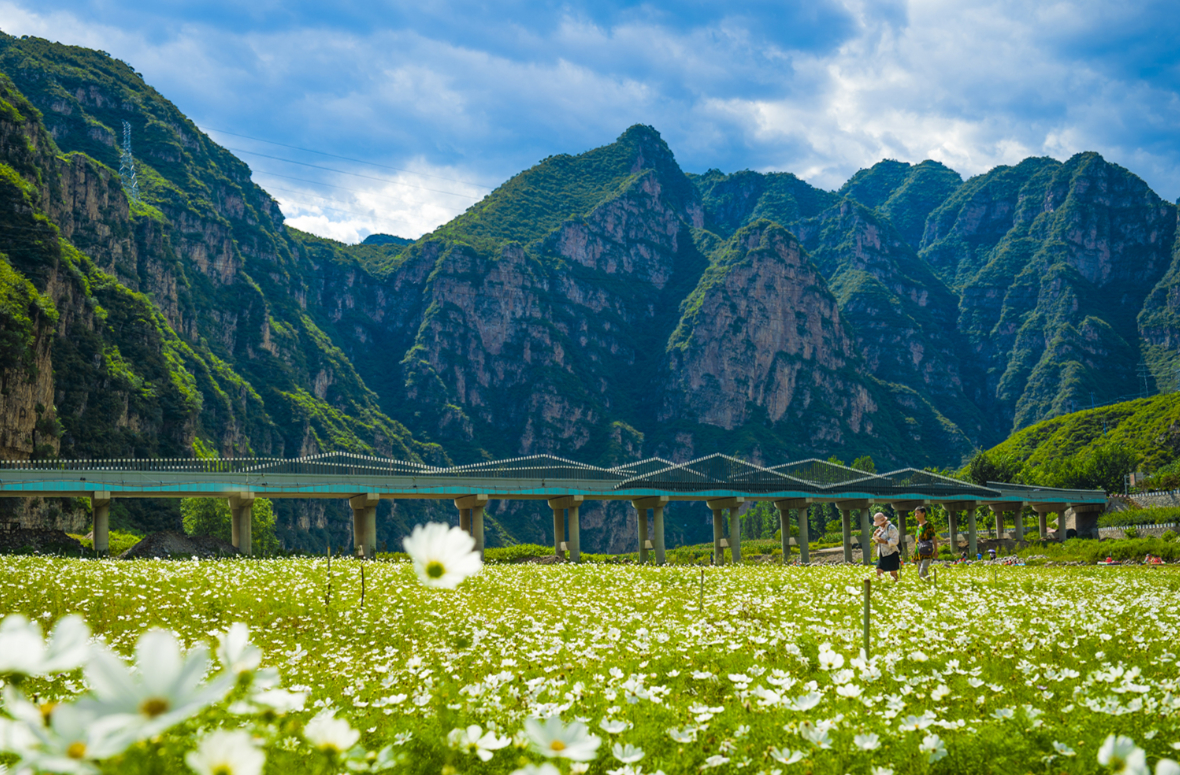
{"points": [[761, 334]]}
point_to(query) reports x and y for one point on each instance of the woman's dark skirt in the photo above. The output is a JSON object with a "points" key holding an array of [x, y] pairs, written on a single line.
{"points": [[889, 562]]}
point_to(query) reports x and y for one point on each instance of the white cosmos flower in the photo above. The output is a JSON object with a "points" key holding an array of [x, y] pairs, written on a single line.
{"points": [[327, 733], [849, 690], [939, 692], [869, 742], [686, 735], [443, 556], [164, 689], [882, 771], [913, 723], [714, 761], [24, 652], [786, 756], [226, 753], [933, 745], [1167, 767], [473, 740], [1063, 749], [816, 735], [545, 768], [807, 701], [236, 653], [828, 659], [1121, 755], [627, 754], [69, 741], [552, 738], [613, 726], [279, 701]]}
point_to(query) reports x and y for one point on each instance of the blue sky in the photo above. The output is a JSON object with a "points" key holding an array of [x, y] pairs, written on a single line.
{"points": [[434, 103]]}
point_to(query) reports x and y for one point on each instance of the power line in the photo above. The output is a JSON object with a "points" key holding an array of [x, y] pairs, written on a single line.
{"points": [[326, 185], [343, 172], [322, 207], [347, 158]]}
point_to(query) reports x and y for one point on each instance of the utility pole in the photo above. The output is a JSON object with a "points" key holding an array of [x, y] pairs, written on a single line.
{"points": [[127, 166], [1141, 367]]}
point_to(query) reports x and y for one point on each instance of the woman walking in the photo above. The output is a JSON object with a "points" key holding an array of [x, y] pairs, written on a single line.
{"points": [[886, 538], [927, 543]]}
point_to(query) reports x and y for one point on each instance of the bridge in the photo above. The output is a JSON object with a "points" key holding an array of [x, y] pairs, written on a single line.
{"points": [[723, 483]]}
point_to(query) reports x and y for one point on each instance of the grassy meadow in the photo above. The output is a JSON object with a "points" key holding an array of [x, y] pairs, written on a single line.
{"points": [[753, 668]]}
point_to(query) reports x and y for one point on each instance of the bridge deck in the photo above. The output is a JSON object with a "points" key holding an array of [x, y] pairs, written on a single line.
{"points": [[721, 481]]}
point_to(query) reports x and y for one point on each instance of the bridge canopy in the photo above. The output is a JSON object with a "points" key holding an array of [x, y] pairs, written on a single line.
{"points": [[333, 474]]}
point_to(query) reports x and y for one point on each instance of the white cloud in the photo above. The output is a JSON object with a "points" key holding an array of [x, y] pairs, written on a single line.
{"points": [[971, 84]]}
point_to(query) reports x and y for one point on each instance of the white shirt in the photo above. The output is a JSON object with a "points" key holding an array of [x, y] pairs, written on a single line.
{"points": [[889, 533]]}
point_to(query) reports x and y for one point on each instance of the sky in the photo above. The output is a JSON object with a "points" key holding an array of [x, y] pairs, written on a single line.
{"points": [[371, 116]]}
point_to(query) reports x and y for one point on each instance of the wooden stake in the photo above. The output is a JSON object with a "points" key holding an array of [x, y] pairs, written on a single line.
{"points": [[362, 586], [702, 609]]}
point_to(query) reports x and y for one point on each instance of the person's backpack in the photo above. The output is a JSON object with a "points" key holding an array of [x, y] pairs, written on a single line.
{"points": [[925, 545]]}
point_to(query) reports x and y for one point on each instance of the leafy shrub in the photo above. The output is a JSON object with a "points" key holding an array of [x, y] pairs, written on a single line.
{"points": [[1131, 532], [1091, 551], [119, 541], [1169, 535], [1153, 516]]}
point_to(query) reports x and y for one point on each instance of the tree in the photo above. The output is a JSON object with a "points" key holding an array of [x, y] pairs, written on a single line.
{"points": [[211, 517], [986, 468], [865, 464]]}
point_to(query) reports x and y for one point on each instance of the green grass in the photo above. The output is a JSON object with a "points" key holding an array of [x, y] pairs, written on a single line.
{"points": [[119, 541]]}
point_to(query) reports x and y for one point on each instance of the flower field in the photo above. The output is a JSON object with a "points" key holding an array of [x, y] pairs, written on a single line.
{"points": [[593, 668]]}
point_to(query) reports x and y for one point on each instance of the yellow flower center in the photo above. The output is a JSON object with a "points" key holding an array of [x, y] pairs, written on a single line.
{"points": [[47, 711], [222, 769], [435, 569], [153, 706], [557, 745], [76, 750]]}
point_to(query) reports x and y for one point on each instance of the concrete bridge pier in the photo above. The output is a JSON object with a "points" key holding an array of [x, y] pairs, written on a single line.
{"points": [[1085, 518], [866, 537], [364, 524], [241, 512], [846, 508], [571, 504], [475, 504], [952, 526], [100, 507], [656, 541], [846, 533], [718, 507], [1018, 522], [465, 520], [799, 506], [998, 513], [1043, 510], [657, 524], [972, 534], [559, 532]]}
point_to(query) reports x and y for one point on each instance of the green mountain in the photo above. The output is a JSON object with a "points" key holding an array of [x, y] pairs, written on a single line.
{"points": [[602, 306]]}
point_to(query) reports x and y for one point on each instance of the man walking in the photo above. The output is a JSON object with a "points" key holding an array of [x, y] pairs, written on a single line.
{"points": [[927, 543], [886, 539]]}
